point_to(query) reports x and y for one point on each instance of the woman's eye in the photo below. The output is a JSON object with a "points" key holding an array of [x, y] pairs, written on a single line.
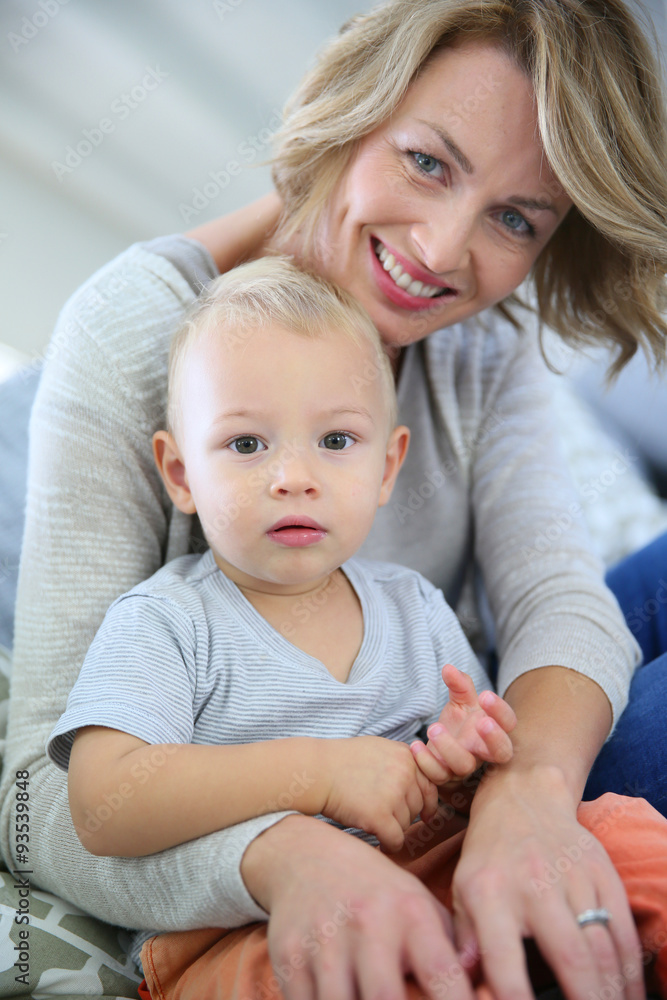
{"points": [[516, 222], [247, 445], [336, 441], [428, 164]]}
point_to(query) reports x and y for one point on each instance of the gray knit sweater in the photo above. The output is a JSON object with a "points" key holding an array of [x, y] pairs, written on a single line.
{"points": [[483, 482]]}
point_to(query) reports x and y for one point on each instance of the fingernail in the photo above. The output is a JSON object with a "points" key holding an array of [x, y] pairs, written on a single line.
{"points": [[435, 730]]}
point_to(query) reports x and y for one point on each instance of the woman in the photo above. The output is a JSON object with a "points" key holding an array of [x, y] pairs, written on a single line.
{"points": [[438, 154]]}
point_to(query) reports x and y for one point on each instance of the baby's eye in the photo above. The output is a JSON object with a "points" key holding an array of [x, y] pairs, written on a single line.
{"points": [[246, 445], [428, 164], [336, 441]]}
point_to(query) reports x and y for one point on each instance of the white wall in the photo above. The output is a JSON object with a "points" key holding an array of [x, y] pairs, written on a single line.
{"points": [[221, 69]]}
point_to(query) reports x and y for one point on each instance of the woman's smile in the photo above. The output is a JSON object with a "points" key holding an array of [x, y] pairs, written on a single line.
{"points": [[406, 284]]}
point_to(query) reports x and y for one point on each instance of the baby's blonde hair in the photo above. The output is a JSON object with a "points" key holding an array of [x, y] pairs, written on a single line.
{"points": [[273, 291], [601, 115]]}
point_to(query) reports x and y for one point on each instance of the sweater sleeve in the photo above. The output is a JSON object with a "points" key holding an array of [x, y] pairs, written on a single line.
{"points": [[545, 586], [98, 522]]}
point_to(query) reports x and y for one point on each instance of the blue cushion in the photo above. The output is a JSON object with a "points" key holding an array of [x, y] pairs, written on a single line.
{"points": [[16, 399]]}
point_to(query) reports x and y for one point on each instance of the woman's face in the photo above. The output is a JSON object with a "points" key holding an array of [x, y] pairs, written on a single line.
{"points": [[445, 207]]}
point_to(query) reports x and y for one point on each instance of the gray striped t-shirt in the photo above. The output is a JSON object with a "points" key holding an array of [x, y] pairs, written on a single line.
{"points": [[185, 658]]}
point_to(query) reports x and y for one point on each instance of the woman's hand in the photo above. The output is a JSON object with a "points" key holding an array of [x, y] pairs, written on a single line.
{"points": [[346, 922], [374, 784], [527, 869]]}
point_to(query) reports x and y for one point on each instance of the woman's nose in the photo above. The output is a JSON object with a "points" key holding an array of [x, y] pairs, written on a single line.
{"points": [[444, 241]]}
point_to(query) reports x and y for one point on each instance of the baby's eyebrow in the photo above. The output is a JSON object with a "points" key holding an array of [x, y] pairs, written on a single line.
{"points": [[235, 413], [359, 411]]}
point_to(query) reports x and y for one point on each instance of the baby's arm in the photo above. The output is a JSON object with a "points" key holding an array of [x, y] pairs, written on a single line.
{"points": [[471, 729], [129, 798]]}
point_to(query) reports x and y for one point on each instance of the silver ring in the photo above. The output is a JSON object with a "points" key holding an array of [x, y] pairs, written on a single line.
{"points": [[600, 916]]}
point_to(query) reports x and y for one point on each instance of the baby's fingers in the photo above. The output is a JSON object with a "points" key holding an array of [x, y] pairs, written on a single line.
{"points": [[431, 768], [445, 750], [498, 745], [429, 797], [390, 833], [460, 685], [498, 709]]}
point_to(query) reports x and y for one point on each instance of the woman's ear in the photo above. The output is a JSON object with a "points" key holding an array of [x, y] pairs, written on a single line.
{"points": [[171, 467], [397, 449]]}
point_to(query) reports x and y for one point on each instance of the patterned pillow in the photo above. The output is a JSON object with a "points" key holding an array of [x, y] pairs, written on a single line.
{"points": [[59, 951]]}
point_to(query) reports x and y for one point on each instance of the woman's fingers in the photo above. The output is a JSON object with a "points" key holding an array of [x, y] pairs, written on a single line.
{"points": [[334, 978], [611, 953], [500, 942], [372, 957], [584, 964], [378, 972], [439, 976], [589, 961]]}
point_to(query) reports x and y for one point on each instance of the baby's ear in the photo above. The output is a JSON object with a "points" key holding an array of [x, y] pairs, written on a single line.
{"points": [[171, 467], [397, 449]]}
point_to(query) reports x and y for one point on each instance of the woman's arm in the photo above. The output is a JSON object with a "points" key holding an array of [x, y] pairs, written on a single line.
{"points": [[550, 606], [522, 872], [241, 235]]}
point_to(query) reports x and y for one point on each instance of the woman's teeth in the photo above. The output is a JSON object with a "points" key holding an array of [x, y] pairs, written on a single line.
{"points": [[402, 278]]}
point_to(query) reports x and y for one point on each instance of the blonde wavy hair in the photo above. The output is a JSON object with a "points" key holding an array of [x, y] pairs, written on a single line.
{"points": [[273, 291], [601, 116]]}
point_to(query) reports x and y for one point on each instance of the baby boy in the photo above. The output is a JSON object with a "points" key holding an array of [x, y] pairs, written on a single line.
{"points": [[278, 653]]}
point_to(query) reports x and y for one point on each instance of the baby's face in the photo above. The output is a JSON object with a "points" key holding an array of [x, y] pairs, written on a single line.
{"points": [[285, 450]]}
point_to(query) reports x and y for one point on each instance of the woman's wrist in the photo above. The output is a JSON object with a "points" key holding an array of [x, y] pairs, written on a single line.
{"points": [[530, 783], [278, 855], [563, 719]]}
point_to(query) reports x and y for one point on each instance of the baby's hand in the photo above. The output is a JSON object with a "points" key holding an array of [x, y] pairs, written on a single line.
{"points": [[375, 785], [470, 730]]}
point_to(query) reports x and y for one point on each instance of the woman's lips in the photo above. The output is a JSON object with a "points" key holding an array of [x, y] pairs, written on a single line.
{"points": [[401, 296]]}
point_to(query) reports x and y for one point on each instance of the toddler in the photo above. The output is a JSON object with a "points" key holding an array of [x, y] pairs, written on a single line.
{"points": [[278, 670]]}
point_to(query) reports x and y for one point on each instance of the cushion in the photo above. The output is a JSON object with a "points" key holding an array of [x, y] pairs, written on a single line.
{"points": [[68, 953], [16, 399]]}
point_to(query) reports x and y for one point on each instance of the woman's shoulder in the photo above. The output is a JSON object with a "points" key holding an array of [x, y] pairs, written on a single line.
{"points": [[121, 320], [146, 283]]}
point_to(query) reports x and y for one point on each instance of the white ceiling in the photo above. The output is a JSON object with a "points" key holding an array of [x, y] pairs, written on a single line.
{"points": [[165, 93]]}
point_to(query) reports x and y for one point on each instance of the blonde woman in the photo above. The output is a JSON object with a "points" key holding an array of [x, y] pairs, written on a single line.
{"points": [[440, 153]]}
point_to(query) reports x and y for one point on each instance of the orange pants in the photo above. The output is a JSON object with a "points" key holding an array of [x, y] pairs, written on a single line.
{"points": [[215, 964]]}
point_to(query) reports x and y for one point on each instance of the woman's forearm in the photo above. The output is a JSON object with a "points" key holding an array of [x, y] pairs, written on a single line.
{"points": [[129, 798], [563, 720], [241, 235]]}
